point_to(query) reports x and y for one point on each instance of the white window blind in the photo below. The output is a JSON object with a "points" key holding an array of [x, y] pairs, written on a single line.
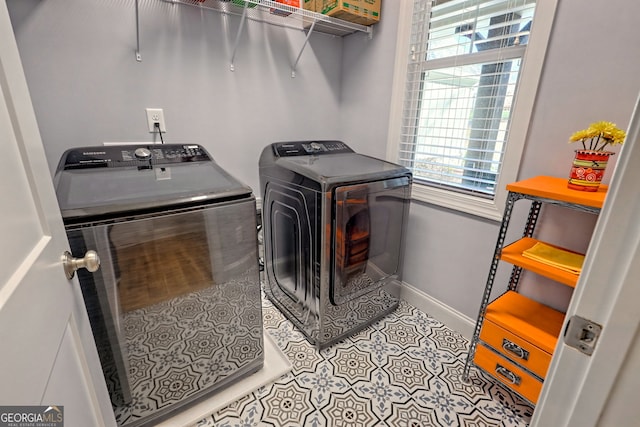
{"points": [[462, 78]]}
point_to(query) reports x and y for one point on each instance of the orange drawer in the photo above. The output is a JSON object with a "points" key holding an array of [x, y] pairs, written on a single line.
{"points": [[509, 374], [536, 323], [515, 348]]}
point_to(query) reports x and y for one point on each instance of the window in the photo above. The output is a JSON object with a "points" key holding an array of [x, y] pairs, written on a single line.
{"points": [[467, 97]]}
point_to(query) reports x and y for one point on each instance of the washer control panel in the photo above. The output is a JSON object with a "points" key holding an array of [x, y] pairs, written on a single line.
{"points": [[133, 155], [309, 148]]}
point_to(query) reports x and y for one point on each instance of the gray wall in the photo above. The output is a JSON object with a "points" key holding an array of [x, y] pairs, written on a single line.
{"points": [[367, 78], [592, 73], [87, 88]]}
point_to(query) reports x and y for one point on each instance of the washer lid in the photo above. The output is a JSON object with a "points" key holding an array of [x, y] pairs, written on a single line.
{"points": [[108, 185]]}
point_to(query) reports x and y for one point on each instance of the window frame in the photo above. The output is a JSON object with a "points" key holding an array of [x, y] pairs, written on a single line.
{"points": [[522, 110]]}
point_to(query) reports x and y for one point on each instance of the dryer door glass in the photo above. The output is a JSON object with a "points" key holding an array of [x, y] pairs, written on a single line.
{"points": [[367, 237]]}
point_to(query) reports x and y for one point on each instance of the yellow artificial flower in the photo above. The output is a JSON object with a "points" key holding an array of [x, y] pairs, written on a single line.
{"points": [[602, 127], [580, 135], [618, 136], [598, 135]]}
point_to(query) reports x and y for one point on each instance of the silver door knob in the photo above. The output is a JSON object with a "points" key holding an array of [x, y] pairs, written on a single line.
{"points": [[90, 261]]}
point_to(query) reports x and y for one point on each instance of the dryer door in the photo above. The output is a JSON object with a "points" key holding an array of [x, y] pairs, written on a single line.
{"points": [[368, 235]]}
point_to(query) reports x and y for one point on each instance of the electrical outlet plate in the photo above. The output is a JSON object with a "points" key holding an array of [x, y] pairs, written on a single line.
{"points": [[155, 115]]}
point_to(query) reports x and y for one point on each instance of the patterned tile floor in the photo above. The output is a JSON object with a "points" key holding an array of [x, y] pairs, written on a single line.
{"points": [[404, 370]]}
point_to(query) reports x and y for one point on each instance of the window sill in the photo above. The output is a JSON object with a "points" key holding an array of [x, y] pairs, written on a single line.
{"points": [[464, 203]]}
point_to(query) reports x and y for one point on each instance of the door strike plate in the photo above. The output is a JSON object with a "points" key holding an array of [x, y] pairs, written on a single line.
{"points": [[582, 334]]}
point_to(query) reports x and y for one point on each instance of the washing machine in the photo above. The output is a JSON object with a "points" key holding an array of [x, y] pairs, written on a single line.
{"points": [[334, 226], [175, 307]]}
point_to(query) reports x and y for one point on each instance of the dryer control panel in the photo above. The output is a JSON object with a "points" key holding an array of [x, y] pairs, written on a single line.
{"points": [[309, 148]]}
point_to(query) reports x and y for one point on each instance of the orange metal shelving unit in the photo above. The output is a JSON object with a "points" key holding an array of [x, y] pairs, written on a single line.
{"points": [[514, 336]]}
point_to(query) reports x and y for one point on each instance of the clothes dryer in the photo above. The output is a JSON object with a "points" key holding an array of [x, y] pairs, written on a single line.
{"points": [[334, 224]]}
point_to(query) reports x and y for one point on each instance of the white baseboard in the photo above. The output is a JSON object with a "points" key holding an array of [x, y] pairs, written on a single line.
{"points": [[436, 309]]}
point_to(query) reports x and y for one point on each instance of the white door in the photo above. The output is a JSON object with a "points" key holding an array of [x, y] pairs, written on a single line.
{"points": [[47, 355], [602, 390]]}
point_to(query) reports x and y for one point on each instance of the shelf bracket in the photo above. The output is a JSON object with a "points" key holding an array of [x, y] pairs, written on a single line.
{"points": [[138, 55], [240, 28], [295, 64]]}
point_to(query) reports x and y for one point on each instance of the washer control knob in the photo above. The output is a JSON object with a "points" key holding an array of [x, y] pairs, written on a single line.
{"points": [[142, 153]]}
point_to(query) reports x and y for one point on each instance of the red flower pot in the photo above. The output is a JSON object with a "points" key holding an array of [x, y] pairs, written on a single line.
{"points": [[588, 169]]}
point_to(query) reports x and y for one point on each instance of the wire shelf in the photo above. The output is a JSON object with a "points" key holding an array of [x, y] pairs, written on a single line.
{"points": [[279, 14], [269, 12]]}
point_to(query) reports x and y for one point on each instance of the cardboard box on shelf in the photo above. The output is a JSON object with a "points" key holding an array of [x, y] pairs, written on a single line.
{"points": [[242, 3], [310, 5], [364, 12]]}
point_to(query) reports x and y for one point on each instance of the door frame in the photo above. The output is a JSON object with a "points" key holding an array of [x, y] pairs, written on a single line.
{"points": [[578, 387], [66, 376]]}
